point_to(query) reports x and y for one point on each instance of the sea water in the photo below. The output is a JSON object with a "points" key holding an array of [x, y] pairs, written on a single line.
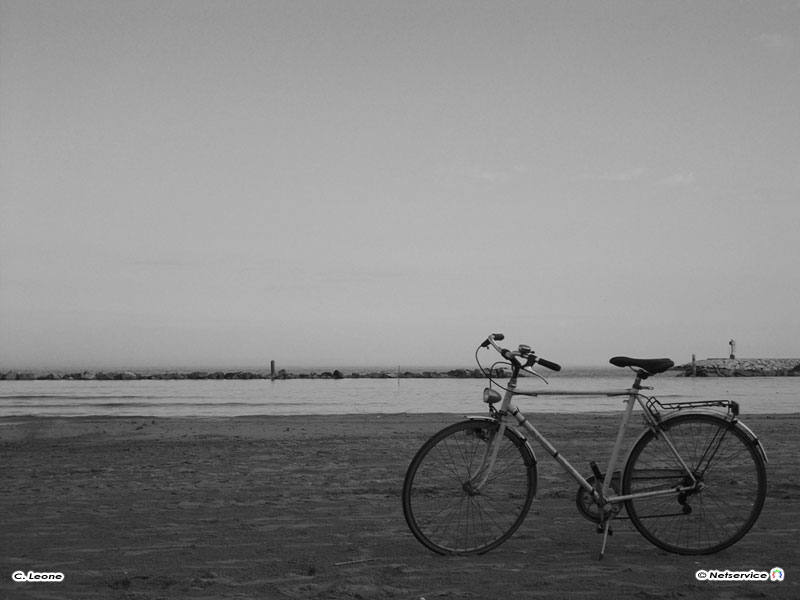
{"points": [[234, 398]]}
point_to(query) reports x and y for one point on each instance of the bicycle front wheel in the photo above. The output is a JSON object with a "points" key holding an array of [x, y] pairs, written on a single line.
{"points": [[446, 502], [719, 509]]}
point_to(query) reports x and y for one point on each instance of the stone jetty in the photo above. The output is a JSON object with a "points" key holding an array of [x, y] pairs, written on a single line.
{"points": [[280, 375], [743, 367]]}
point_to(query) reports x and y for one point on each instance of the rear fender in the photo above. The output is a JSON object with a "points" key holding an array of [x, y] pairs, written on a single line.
{"points": [[753, 439], [735, 422]]}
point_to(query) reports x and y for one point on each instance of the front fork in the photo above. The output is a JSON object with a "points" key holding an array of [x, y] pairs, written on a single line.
{"points": [[474, 485]]}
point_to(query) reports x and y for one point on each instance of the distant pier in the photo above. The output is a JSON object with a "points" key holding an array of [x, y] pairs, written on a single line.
{"points": [[742, 367]]}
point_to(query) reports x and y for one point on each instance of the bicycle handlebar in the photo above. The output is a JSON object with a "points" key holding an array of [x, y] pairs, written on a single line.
{"points": [[524, 352], [550, 365]]}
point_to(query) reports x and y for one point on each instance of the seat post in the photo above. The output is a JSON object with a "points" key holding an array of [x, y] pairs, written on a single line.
{"points": [[626, 417], [641, 375]]}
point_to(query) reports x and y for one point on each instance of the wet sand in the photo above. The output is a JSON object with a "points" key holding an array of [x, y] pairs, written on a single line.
{"points": [[283, 507]]}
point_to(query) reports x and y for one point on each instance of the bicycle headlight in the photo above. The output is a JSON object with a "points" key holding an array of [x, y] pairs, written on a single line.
{"points": [[491, 396]]}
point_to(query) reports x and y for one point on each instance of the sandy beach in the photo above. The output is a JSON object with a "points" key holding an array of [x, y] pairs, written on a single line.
{"points": [[283, 507]]}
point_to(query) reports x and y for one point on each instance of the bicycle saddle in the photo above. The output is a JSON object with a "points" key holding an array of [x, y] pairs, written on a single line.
{"points": [[652, 366]]}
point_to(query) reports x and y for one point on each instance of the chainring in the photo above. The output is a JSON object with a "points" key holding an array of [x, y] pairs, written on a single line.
{"points": [[589, 509]]}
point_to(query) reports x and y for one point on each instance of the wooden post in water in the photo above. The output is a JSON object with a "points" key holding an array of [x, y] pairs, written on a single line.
{"points": [[694, 366], [272, 370]]}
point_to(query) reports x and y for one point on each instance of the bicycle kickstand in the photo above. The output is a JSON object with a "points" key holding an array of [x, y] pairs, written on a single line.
{"points": [[605, 529]]}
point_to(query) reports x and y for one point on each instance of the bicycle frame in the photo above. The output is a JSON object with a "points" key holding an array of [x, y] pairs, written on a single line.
{"points": [[602, 497]]}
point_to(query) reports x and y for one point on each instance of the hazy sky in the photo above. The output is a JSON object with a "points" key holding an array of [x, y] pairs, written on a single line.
{"points": [[365, 182]]}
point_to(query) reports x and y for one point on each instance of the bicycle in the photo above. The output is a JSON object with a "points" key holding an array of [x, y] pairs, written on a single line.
{"points": [[692, 483]]}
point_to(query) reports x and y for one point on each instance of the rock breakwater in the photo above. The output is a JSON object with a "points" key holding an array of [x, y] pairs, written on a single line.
{"points": [[743, 367], [280, 375]]}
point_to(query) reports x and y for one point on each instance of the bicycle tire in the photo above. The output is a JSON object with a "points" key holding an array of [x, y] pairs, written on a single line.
{"points": [[721, 456], [442, 510]]}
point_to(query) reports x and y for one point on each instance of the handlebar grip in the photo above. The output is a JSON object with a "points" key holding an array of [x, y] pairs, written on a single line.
{"points": [[493, 337], [550, 365]]}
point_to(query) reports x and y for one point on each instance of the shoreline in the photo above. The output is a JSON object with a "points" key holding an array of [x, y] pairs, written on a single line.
{"points": [[260, 426]]}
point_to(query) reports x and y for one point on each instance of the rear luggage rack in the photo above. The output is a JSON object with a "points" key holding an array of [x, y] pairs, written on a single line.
{"points": [[731, 406]]}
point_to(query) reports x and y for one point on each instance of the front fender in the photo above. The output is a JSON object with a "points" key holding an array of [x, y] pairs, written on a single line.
{"points": [[513, 430]]}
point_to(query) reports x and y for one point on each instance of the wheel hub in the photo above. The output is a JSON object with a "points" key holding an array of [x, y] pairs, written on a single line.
{"points": [[469, 489]]}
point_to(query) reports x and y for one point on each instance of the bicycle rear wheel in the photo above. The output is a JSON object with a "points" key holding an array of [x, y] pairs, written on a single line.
{"points": [[443, 504], [720, 509]]}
